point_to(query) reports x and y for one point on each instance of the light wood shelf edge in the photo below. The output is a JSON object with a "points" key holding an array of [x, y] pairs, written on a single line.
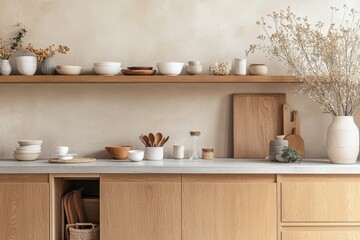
{"points": [[146, 79]]}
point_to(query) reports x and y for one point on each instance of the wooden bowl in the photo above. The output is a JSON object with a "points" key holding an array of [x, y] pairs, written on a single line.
{"points": [[140, 68], [119, 152]]}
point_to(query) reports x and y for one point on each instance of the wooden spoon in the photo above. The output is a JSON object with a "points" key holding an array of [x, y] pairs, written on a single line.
{"points": [[152, 139], [141, 137], [163, 141], [158, 138], [146, 139]]}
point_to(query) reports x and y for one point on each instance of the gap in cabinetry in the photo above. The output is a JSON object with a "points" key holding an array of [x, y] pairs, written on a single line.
{"points": [[90, 197]]}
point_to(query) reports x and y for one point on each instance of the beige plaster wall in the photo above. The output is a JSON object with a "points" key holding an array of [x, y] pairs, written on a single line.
{"points": [[142, 32]]}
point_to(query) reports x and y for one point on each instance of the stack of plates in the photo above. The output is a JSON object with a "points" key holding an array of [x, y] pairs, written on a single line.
{"points": [[28, 150], [139, 71]]}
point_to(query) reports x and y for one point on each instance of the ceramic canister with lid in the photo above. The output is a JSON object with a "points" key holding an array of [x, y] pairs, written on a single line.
{"points": [[276, 147]]}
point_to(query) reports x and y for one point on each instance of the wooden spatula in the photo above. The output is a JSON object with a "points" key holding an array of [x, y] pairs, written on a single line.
{"points": [[292, 130]]}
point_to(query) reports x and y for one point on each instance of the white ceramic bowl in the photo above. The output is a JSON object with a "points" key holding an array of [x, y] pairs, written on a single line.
{"points": [[136, 155], [170, 68], [30, 147], [26, 156], [154, 153], [106, 70], [108, 64], [30, 142], [194, 63], [61, 150], [26, 70], [68, 70], [28, 151]]}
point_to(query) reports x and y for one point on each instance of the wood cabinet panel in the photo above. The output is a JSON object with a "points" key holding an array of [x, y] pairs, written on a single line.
{"points": [[229, 209], [321, 235], [25, 210], [323, 201], [142, 208]]}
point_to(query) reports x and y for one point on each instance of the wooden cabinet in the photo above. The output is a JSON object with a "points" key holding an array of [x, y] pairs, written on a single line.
{"points": [[320, 199], [140, 206], [322, 235], [24, 204], [229, 207]]}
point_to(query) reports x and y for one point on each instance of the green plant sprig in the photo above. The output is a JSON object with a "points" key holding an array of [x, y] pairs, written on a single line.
{"points": [[290, 155]]}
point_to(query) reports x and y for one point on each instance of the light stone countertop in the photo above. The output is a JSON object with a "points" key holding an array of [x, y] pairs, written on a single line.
{"points": [[221, 166]]}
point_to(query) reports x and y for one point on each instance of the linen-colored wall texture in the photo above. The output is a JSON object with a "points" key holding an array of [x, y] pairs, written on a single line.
{"points": [[88, 117]]}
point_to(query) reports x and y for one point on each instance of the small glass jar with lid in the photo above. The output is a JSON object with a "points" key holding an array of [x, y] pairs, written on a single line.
{"points": [[194, 145], [207, 153]]}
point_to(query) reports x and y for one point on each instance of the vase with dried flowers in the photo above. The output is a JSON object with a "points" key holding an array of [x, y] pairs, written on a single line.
{"points": [[46, 57], [8, 48], [326, 59]]}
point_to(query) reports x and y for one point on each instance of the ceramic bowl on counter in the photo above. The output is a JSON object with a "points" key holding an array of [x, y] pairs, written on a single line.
{"points": [[26, 156], [119, 152], [170, 68], [136, 155], [68, 70], [108, 64]]}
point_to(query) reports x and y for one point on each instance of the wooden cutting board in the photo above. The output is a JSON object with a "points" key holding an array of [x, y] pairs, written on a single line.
{"points": [[292, 130], [258, 118]]}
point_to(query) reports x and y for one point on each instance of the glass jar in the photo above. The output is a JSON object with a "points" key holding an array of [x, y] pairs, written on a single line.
{"points": [[194, 145]]}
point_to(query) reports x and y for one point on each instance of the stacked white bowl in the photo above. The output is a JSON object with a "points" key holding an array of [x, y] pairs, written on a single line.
{"points": [[26, 65], [107, 68], [28, 150]]}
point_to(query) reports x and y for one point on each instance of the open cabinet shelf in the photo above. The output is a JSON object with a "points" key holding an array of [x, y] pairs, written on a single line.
{"points": [[146, 79]]}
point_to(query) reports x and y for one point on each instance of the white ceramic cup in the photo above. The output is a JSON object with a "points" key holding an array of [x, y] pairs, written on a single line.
{"points": [[240, 66], [154, 153], [178, 151], [136, 155], [61, 150]]}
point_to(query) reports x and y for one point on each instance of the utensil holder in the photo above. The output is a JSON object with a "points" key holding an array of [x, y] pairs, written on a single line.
{"points": [[154, 153]]}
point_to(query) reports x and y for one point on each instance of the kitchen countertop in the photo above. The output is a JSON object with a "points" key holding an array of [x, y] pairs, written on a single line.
{"points": [[220, 165]]}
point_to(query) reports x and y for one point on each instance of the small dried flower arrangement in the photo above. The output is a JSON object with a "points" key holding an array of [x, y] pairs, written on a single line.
{"points": [[41, 54], [9, 46], [221, 67]]}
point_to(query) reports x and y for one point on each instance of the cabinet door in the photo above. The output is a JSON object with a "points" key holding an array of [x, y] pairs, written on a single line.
{"points": [[229, 207], [320, 198], [321, 235], [140, 206], [24, 204]]}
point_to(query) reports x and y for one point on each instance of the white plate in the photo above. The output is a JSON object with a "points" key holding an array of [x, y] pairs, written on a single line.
{"points": [[67, 155], [66, 158]]}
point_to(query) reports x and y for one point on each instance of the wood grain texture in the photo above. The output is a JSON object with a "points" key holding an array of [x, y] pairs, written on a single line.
{"points": [[291, 121], [321, 235], [24, 211], [257, 119], [146, 79], [229, 178], [320, 201], [141, 178], [229, 211], [140, 210], [24, 178], [296, 142]]}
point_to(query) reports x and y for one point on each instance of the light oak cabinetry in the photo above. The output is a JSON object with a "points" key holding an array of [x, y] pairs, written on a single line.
{"points": [[140, 207], [229, 207], [319, 207], [24, 204]]}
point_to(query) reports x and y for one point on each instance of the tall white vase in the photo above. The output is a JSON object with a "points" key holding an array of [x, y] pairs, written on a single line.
{"points": [[343, 140]]}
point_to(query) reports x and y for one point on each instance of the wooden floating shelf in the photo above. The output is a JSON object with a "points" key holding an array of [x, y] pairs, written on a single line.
{"points": [[146, 79]]}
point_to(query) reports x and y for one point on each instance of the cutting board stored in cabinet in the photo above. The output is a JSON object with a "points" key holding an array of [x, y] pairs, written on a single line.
{"points": [[258, 118]]}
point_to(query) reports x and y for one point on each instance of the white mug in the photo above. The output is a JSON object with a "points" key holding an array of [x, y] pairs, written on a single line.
{"points": [[178, 151]]}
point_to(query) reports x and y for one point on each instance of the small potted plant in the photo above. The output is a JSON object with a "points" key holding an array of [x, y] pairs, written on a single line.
{"points": [[46, 57], [8, 48], [289, 155]]}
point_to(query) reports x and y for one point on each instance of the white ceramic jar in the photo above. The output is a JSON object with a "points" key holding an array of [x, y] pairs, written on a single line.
{"points": [[240, 66], [154, 153], [178, 151]]}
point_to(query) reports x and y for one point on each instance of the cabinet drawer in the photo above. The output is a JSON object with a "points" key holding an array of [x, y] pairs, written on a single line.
{"points": [[321, 235], [321, 200]]}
